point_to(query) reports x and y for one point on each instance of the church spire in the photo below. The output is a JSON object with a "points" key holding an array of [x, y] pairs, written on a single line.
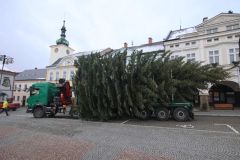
{"points": [[62, 40], [63, 29]]}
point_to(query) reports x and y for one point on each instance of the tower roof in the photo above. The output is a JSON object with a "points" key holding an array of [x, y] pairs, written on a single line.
{"points": [[62, 40]]}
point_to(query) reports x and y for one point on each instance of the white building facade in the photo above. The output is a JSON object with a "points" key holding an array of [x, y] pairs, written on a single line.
{"points": [[6, 83], [62, 57], [23, 81], [214, 41]]}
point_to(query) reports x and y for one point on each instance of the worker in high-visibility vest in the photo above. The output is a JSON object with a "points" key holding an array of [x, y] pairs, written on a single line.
{"points": [[5, 107]]}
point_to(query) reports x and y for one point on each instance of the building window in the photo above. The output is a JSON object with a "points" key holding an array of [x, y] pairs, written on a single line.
{"points": [[14, 98], [19, 87], [209, 40], [229, 37], [171, 46], [64, 75], [214, 57], [51, 76], [176, 45], [237, 50], [233, 55], [25, 87], [213, 30], [57, 76], [191, 57], [18, 98], [6, 82], [231, 27], [216, 39], [187, 44], [71, 75], [15, 87], [193, 43], [174, 57]]}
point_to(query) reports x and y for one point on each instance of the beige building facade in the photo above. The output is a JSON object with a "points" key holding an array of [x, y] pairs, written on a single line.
{"points": [[214, 41]]}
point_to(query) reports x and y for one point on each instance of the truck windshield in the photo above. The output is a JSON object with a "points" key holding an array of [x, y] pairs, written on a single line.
{"points": [[34, 91]]}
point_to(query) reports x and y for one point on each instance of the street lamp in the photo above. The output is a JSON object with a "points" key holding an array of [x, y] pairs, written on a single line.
{"points": [[5, 60], [239, 46]]}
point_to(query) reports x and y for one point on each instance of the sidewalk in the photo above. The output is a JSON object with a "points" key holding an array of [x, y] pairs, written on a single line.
{"points": [[212, 112]]}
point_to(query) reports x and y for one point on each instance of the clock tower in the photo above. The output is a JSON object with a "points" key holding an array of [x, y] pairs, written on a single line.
{"points": [[61, 48]]}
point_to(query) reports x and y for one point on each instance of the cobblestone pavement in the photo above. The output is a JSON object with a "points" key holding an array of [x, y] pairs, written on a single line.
{"points": [[24, 138]]}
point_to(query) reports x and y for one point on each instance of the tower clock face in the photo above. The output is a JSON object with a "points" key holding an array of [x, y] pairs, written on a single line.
{"points": [[56, 50]]}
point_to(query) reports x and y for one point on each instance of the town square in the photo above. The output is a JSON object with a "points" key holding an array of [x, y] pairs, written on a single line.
{"points": [[148, 80]]}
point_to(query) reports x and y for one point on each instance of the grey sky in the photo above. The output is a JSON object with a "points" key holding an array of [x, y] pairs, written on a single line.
{"points": [[29, 27]]}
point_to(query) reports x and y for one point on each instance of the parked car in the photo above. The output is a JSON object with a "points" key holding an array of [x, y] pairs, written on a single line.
{"points": [[11, 106]]}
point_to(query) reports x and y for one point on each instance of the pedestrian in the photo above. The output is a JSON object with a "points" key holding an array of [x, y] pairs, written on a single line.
{"points": [[5, 107]]}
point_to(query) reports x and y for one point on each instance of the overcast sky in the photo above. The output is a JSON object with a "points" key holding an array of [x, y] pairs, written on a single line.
{"points": [[29, 27]]}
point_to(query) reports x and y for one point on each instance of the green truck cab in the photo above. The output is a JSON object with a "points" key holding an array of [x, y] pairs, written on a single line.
{"points": [[47, 99], [41, 94]]}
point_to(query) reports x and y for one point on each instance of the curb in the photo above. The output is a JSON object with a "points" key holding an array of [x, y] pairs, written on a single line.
{"points": [[215, 115]]}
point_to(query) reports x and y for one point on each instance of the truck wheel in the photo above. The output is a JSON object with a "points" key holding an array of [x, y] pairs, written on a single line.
{"points": [[162, 114], [144, 115], [38, 112], [51, 115], [180, 114]]}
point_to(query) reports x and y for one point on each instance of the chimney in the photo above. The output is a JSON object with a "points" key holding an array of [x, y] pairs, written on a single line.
{"points": [[205, 18], [150, 40], [125, 45]]}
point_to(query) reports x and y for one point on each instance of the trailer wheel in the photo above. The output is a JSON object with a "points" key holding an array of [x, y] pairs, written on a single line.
{"points": [[38, 112], [180, 114], [144, 115], [75, 114], [162, 114]]}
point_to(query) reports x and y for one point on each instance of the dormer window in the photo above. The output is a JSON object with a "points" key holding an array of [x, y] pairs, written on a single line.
{"points": [[213, 30], [209, 40], [231, 27]]}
